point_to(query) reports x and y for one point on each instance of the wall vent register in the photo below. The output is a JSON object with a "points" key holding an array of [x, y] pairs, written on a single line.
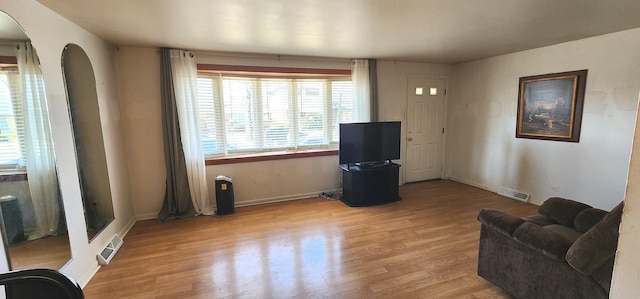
{"points": [[513, 194], [105, 256]]}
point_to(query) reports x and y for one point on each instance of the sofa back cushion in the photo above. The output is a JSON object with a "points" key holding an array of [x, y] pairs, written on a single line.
{"points": [[587, 218], [562, 210]]}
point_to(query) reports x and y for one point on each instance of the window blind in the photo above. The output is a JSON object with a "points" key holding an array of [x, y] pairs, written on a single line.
{"points": [[12, 145], [210, 114], [242, 114], [342, 106]]}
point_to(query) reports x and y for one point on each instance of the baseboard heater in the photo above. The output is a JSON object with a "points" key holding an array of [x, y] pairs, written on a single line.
{"points": [[109, 250], [513, 194]]}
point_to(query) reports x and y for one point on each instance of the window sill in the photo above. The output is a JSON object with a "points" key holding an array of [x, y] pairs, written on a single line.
{"points": [[270, 156], [13, 176]]}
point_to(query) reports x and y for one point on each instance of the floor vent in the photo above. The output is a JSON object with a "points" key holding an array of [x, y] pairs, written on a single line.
{"points": [[110, 250], [510, 193]]}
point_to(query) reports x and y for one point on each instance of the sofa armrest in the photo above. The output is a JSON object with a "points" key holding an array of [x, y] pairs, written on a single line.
{"points": [[597, 245], [562, 210], [543, 240], [499, 221]]}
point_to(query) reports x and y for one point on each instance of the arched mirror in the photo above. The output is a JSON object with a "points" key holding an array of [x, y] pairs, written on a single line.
{"points": [[87, 133], [32, 216]]}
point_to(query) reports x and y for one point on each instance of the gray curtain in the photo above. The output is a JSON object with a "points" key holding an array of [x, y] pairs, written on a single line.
{"points": [[373, 88], [177, 197]]}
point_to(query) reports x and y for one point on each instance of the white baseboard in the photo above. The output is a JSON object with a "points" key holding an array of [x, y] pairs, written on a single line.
{"points": [[84, 279], [532, 200], [475, 184], [536, 202], [260, 201], [146, 216], [245, 203]]}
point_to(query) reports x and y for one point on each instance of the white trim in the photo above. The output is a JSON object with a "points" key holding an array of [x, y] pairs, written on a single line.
{"points": [[84, 279], [259, 201], [492, 189], [251, 202]]}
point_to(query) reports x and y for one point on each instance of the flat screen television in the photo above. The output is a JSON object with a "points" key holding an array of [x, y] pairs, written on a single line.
{"points": [[366, 143]]}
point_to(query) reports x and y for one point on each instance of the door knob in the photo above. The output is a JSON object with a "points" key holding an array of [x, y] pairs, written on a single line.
{"points": [[410, 139]]}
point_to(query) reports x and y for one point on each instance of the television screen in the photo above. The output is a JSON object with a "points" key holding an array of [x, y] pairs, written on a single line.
{"points": [[369, 142]]}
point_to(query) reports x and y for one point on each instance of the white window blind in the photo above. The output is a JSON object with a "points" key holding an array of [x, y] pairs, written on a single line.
{"points": [[277, 113], [312, 115], [241, 114], [12, 145], [252, 114], [210, 112], [342, 106]]}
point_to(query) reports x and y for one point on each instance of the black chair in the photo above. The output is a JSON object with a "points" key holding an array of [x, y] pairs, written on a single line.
{"points": [[40, 283]]}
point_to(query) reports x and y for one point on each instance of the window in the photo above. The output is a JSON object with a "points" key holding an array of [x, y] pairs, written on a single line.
{"points": [[257, 112], [12, 143]]}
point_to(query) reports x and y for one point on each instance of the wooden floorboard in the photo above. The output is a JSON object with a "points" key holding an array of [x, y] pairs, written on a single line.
{"points": [[424, 246]]}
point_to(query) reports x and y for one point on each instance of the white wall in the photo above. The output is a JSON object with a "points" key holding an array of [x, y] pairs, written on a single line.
{"points": [[139, 86], [255, 182], [271, 181], [482, 116], [49, 34], [626, 273]]}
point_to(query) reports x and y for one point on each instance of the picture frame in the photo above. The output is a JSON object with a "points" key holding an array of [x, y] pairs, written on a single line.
{"points": [[550, 106]]}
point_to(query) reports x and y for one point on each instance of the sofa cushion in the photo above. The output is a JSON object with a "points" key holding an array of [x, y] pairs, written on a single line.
{"points": [[562, 210], [541, 220], [499, 221], [543, 240], [598, 244], [588, 218], [567, 233]]}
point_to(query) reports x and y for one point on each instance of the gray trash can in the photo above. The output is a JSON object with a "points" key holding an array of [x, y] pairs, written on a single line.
{"points": [[12, 219], [224, 196]]}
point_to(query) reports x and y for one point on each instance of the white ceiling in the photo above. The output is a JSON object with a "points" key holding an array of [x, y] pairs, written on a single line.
{"points": [[437, 31]]}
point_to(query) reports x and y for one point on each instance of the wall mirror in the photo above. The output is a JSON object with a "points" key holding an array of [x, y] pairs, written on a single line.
{"points": [[83, 106], [32, 215]]}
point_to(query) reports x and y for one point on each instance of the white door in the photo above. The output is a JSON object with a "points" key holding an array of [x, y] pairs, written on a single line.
{"points": [[425, 129]]}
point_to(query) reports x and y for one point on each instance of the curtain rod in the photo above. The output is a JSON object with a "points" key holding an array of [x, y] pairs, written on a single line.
{"points": [[9, 43], [270, 56]]}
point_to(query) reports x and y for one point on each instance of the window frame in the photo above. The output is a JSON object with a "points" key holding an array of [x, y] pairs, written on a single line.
{"points": [[264, 154]]}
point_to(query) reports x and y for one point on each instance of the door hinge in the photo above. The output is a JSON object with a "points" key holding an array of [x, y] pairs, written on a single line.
{"points": [[442, 130], [445, 91]]}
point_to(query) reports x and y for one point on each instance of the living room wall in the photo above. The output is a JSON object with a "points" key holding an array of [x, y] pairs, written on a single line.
{"points": [[484, 152], [254, 182], [49, 34]]}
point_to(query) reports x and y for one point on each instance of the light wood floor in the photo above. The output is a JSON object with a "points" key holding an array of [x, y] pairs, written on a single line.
{"points": [[50, 252], [424, 246]]}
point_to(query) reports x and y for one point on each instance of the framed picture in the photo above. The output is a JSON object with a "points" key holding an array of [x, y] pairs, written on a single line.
{"points": [[550, 106]]}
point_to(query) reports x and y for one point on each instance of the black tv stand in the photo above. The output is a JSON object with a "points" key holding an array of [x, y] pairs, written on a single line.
{"points": [[369, 184], [370, 164]]}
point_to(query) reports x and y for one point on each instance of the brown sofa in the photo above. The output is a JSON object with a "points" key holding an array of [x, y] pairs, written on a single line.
{"points": [[567, 251]]}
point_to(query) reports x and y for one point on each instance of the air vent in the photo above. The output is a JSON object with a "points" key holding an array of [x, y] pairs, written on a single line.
{"points": [[105, 256], [513, 194]]}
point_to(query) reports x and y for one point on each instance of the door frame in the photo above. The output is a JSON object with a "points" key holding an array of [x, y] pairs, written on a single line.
{"points": [[445, 163]]}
